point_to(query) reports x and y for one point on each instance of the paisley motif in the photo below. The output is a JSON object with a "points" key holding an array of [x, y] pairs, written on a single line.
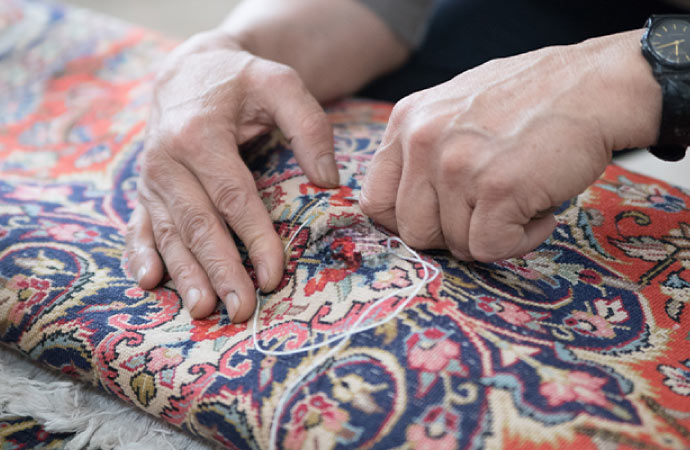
{"points": [[582, 343]]}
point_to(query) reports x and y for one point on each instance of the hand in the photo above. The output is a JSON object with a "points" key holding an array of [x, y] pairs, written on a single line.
{"points": [[476, 164], [194, 188]]}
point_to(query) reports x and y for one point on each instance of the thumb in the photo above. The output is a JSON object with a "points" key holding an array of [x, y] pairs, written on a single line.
{"points": [[379, 195], [305, 124]]}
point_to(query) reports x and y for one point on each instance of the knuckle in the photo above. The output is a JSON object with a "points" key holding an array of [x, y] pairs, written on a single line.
{"points": [[399, 113], [180, 135], [232, 200], [155, 168], [182, 273], [404, 105], [281, 74], [455, 164], [498, 186], [421, 136], [217, 271], [223, 274], [165, 235], [192, 133], [406, 108], [195, 227]]}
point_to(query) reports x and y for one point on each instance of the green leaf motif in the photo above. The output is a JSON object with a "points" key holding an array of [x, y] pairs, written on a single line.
{"points": [[144, 386]]}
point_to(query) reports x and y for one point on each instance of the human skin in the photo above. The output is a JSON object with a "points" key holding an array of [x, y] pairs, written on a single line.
{"points": [[269, 64], [473, 165], [476, 164]]}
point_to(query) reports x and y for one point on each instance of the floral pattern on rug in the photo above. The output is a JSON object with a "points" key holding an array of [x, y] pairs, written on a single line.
{"points": [[19, 433], [582, 343]]}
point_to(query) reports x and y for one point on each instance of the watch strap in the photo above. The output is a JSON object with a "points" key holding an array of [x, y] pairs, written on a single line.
{"points": [[674, 132]]}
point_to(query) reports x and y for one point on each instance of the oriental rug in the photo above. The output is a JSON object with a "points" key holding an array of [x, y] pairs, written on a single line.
{"points": [[582, 343]]}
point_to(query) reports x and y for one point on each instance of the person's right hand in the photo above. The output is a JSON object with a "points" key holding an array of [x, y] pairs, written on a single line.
{"points": [[477, 164], [194, 188]]}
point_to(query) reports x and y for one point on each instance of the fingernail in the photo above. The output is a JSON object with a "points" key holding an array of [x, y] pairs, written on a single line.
{"points": [[141, 273], [232, 304], [328, 170], [192, 298], [262, 276]]}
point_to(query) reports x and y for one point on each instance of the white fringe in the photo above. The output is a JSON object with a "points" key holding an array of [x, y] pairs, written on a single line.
{"points": [[63, 405]]}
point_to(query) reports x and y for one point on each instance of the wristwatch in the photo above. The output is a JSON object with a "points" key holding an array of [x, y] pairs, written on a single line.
{"points": [[666, 45]]}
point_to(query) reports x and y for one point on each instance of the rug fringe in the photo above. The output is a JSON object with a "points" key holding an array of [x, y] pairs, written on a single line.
{"points": [[62, 405]]}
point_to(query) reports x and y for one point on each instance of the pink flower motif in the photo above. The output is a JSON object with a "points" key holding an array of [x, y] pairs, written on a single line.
{"points": [[135, 292], [395, 277], [19, 282], [574, 386], [317, 418], [431, 351], [437, 430], [588, 324], [72, 232], [512, 313], [30, 291], [56, 194], [163, 358]]}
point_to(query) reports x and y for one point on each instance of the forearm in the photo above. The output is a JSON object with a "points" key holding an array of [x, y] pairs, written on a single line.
{"points": [[335, 45]]}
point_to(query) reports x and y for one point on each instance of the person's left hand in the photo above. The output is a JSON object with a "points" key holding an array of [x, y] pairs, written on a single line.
{"points": [[477, 164]]}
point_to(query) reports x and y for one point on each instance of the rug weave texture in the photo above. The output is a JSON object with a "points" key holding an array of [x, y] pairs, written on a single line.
{"points": [[582, 343]]}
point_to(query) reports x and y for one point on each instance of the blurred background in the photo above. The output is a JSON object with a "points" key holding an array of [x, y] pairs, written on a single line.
{"points": [[176, 18], [182, 18]]}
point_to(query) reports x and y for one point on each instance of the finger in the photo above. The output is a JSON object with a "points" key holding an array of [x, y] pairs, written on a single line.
{"points": [[232, 190], [417, 213], [456, 217], [190, 279], [499, 232], [537, 231], [379, 193], [305, 124], [144, 261], [204, 234]]}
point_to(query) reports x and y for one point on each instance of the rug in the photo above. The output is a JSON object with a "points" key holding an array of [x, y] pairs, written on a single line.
{"points": [[42, 409], [582, 343]]}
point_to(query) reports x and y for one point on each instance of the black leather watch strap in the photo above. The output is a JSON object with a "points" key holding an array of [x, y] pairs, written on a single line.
{"points": [[674, 133], [665, 46]]}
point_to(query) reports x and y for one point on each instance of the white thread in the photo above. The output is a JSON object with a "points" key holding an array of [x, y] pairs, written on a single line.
{"points": [[342, 337]]}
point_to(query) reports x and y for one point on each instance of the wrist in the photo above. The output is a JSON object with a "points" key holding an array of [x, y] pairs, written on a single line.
{"points": [[629, 105]]}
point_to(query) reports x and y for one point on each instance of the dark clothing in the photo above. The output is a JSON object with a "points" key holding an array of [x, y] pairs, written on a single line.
{"points": [[462, 34]]}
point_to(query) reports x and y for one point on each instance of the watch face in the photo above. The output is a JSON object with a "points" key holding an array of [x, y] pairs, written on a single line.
{"points": [[669, 39]]}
